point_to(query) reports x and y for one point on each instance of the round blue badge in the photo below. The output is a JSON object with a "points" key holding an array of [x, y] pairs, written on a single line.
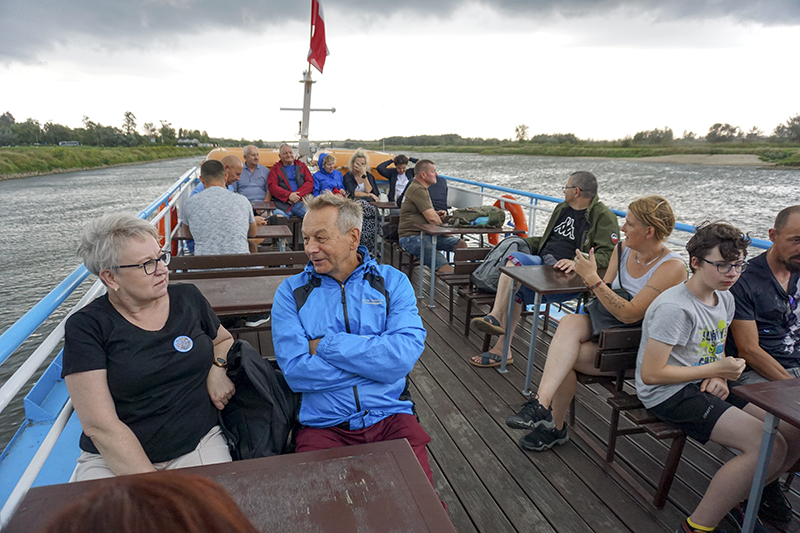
{"points": [[183, 343]]}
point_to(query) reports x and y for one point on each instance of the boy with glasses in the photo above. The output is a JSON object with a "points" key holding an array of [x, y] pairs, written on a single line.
{"points": [[682, 374]]}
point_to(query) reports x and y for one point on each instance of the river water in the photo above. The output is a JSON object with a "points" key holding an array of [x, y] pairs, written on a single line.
{"points": [[42, 216]]}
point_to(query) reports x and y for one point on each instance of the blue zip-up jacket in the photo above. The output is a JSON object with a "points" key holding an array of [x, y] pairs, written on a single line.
{"points": [[324, 181], [372, 336]]}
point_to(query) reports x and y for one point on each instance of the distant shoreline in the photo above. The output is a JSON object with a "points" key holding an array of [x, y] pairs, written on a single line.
{"points": [[4, 177], [738, 160], [26, 162]]}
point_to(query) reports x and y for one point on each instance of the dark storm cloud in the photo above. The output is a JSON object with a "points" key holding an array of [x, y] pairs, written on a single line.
{"points": [[29, 27]]}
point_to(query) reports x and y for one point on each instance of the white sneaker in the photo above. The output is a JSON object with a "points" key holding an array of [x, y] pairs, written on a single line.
{"points": [[255, 321]]}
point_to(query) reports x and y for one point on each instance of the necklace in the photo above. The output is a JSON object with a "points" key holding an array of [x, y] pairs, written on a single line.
{"points": [[636, 258]]}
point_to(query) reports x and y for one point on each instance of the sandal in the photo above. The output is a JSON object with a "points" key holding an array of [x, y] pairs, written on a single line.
{"points": [[490, 360], [488, 325]]}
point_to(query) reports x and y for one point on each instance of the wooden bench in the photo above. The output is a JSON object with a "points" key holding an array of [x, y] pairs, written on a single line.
{"points": [[616, 352], [237, 265]]}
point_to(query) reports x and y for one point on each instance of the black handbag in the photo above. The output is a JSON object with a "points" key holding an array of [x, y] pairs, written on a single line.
{"points": [[600, 316]]}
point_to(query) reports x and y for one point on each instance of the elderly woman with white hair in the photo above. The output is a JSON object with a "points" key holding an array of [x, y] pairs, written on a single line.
{"points": [[145, 363]]}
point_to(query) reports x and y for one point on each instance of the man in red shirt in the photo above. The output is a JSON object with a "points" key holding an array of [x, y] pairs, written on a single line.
{"points": [[289, 181]]}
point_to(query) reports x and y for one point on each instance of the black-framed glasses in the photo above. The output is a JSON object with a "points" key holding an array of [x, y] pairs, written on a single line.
{"points": [[724, 268], [151, 266]]}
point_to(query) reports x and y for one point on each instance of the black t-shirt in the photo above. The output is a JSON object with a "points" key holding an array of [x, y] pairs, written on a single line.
{"points": [[760, 297], [157, 379], [566, 234]]}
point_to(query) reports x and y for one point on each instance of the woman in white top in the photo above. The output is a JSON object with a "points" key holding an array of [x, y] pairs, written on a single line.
{"points": [[649, 269]]}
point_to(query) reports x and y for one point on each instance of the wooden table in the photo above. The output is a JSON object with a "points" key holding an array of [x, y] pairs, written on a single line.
{"points": [[278, 231], [370, 487], [541, 279], [263, 206], [238, 296], [781, 401], [435, 231]]}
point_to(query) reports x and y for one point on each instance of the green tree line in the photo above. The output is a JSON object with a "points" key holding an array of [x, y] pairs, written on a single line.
{"points": [[31, 133]]}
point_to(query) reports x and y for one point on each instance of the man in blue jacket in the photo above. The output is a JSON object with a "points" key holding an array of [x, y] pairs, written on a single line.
{"points": [[346, 333]]}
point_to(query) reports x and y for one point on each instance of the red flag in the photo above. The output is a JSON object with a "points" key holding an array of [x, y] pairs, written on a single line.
{"points": [[318, 50]]}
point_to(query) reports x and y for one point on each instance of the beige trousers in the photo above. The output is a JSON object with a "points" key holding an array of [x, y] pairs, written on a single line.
{"points": [[212, 449]]}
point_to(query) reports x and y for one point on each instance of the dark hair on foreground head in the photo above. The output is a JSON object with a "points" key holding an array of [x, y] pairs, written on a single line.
{"points": [[166, 502], [783, 217], [422, 166], [212, 170], [731, 241], [586, 182], [400, 160], [654, 211]]}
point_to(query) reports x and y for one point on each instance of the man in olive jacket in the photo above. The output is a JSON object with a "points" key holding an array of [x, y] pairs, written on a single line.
{"points": [[581, 222]]}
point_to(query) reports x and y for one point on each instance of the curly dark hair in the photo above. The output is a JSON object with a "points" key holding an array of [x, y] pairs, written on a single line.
{"points": [[731, 241]]}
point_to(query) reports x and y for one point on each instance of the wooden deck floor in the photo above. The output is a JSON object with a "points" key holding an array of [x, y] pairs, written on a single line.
{"points": [[490, 484]]}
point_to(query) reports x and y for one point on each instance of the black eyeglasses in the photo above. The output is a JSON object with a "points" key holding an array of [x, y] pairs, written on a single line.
{"points": [[724, 268], [151, 266]]}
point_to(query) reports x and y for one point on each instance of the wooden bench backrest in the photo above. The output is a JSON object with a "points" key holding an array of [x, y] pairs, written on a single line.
{"points": [[237, 265], [617, 349], [466, 260]]}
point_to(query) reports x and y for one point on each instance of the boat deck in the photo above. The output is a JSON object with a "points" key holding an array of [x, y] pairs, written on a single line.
{"points": [[490, 484]]}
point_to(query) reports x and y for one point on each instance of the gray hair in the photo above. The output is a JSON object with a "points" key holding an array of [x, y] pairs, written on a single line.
{"points": [[586, 182], [103, 239], [350, 213], [360, 152]]}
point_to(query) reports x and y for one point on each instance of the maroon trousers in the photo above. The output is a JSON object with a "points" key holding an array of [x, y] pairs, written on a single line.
{"points": [[398, 426]]}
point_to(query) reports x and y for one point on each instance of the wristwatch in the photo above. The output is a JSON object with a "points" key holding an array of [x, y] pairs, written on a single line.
{"points": [[220, 362]]}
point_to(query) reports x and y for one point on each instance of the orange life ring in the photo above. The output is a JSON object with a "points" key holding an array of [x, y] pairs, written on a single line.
{"points": [[173, 217], [519, 218]]}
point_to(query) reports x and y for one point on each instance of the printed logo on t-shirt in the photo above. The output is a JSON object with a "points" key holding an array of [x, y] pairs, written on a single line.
{"points": [[712, 344], [566, 228], [183, 343]]}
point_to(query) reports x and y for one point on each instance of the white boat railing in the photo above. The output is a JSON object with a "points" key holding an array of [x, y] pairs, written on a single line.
{"points": [[20, 331]]}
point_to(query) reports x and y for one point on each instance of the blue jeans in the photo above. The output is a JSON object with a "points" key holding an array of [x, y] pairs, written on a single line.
{"points": [[411, 244], [298, 210], [527, 297]]}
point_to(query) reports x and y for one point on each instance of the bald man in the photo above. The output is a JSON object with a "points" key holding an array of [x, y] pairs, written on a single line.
{"points": [[253, 181]]}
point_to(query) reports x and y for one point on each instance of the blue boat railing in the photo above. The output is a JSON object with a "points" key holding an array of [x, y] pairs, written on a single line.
{"points": [[534, 204], [20, 331]]}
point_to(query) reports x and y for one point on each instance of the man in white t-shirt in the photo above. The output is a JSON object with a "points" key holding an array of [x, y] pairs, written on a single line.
{"points": [[219, 221]]}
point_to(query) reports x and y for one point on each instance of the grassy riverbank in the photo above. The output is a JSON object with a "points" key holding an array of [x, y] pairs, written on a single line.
{"points": [[20, 162], [779, 154]]}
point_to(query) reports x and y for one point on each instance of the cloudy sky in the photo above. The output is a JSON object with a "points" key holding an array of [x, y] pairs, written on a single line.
{"points": [[600, 69]]}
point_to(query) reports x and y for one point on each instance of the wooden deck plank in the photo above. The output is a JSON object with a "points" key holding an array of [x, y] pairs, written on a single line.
{"points": [[510, 498], [587, 504]]}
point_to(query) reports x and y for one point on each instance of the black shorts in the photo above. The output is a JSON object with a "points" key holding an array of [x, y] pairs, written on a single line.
{"points": [[694, 412]]}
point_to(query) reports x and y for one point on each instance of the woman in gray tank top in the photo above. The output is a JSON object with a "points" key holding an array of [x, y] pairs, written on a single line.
{"points": [[648, 268]]}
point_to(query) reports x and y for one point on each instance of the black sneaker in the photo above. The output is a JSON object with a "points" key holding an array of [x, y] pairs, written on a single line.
{"points": [[531, 416], [541, 438], [774, 505], [736, 515]]}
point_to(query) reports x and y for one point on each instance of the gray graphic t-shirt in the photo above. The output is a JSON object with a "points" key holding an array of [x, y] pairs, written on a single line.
{"points": [[695, 331], [219, 220]]}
